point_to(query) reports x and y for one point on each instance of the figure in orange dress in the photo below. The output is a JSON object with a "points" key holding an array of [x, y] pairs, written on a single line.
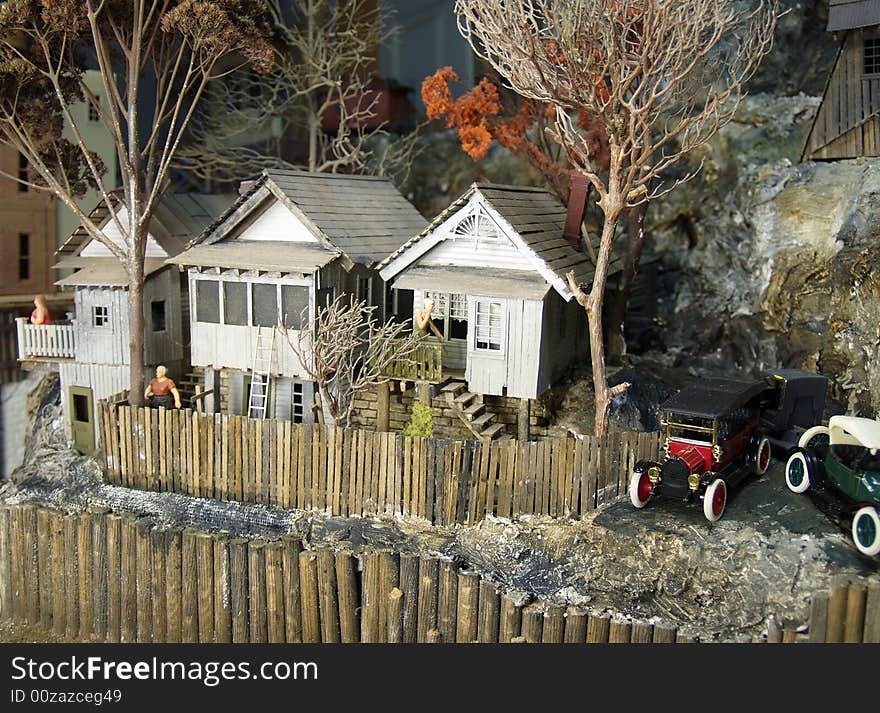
{"points": [[161, 389]]}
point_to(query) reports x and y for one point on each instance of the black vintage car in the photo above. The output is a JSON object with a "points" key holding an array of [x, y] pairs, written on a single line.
{"points": [[720, 431]]}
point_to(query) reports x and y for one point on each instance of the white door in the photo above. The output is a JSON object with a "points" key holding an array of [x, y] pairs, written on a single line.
{"points": [[487, 348]]}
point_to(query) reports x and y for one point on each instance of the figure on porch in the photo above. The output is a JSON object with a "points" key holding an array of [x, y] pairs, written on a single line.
{"points": [[161, 389], [424, 321], [40, 315]]}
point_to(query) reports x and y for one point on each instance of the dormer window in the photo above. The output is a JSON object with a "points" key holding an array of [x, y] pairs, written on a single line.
{"points": [[871, 56]]}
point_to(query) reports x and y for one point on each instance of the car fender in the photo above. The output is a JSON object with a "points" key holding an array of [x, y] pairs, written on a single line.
{"points": [[642, 465]]}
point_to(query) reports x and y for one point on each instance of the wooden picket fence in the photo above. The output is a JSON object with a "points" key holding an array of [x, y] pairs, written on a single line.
{"points": [[102, 576], [353, 472]]}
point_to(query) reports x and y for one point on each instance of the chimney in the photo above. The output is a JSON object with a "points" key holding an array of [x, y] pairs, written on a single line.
{"points": [[245, 186], [577, 203]]}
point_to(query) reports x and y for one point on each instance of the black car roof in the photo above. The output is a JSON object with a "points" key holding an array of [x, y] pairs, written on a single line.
{"points": [[713, 398]]}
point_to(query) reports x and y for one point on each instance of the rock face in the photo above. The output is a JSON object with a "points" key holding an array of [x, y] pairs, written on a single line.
{"points": [[769, 262]]}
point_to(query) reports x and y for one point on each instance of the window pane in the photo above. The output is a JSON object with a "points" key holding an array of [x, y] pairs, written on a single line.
{"points": [[294, 300], [489, 329], [207, 301], [157, 315], [265, 305], [235, 303]]}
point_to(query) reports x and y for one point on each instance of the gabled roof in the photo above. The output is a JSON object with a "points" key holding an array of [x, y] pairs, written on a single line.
{"points": [[364, 217], [533, 215], [176, 220], [851, 14]]}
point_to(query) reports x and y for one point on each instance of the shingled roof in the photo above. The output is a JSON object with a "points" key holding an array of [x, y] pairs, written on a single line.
{"points": [[851, 14], [364, 217], [176, 220], [533, 214]]}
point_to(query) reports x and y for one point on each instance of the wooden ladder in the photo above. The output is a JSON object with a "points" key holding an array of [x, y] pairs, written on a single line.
{"points": [[261, 371]]}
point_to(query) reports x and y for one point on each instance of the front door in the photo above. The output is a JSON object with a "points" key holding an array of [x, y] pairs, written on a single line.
{"points": [[82, 423]]}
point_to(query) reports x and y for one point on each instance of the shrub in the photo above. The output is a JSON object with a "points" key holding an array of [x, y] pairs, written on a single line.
{"points": [[421, 424]]}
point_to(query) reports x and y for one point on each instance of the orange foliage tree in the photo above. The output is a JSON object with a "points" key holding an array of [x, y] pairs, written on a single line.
{"points": [[481, 117]]}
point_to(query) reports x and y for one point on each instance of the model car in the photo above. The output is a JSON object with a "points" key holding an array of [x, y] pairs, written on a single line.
{"points": [[839, 465], [721, 431]]}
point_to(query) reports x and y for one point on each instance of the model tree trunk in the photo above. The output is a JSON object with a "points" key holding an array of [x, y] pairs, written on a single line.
{"points": [[617, 309], [136, 332]]}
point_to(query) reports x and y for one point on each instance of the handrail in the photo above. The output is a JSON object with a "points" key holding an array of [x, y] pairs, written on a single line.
{"points": [[54, 341]]}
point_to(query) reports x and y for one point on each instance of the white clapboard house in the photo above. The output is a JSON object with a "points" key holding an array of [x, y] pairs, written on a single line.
{"points": [[494, 263], [91, 351], [293, 240]]}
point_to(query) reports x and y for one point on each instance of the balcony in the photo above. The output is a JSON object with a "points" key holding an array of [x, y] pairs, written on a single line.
{"points": [[49, 342], [424, 364]]}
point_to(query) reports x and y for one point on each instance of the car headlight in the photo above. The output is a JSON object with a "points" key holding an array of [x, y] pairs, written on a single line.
{"points": [[694, 481]]}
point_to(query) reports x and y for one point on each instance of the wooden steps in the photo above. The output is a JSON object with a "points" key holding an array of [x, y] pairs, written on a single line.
{"points": [[472, 411]]}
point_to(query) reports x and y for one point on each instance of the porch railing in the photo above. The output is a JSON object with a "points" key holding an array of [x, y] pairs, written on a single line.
{"points": [[52, 341], [424, 364]]}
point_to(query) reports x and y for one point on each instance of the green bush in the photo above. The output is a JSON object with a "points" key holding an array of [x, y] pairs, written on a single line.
{"points": [[422, 423]]}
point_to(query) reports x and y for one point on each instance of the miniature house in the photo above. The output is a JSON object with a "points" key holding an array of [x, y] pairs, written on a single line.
{"points": [[847, 124], [293, 240], [495, 265], [91, 352]]}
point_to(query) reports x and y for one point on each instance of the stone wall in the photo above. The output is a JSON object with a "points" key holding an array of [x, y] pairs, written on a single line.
{"points": [[447, 423]]}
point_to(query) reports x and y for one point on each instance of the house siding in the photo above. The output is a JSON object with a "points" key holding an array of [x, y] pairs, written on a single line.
{"points": [[165, 346], [107, 344]]}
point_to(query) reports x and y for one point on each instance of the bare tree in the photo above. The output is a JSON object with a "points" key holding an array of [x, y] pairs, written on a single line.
{"points": [[45, 47], [661, 76], [324, 78], [349, 351]]}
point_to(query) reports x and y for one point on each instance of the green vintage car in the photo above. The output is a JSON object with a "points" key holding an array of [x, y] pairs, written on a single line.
{"points": [[839, 465]]}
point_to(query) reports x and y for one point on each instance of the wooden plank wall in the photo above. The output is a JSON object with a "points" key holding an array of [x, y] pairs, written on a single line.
{"points": [[351, 472], [110, 577]]}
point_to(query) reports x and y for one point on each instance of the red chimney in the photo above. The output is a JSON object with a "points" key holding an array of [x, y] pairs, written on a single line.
{"points": [[577, 204]]}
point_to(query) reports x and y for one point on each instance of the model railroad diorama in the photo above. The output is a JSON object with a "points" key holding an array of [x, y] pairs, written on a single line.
{"points": [[300, 411]]}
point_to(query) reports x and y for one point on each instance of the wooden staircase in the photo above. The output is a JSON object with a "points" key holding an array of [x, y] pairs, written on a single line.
{"points": [[472, 411], [186, 386]]}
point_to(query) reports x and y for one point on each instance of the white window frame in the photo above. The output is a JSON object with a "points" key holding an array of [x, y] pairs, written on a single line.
{"points": [[221, 279], [104, 316], [479, 303]]}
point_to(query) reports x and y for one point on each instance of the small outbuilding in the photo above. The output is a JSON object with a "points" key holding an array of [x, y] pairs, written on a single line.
{"points": [[91, 350], [847, 124]]}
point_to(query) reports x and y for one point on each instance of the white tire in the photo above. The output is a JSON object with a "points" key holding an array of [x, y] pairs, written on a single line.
{"points": [[715, 500], [797, 473], [639, 489], [763, 456], [810, 433], [866, 531]]}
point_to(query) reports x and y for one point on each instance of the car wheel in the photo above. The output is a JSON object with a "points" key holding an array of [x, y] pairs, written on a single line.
{"points": [[715, 500], [815, 439], [797, 472], [866, 531], [639, 489], [762, 456]]}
